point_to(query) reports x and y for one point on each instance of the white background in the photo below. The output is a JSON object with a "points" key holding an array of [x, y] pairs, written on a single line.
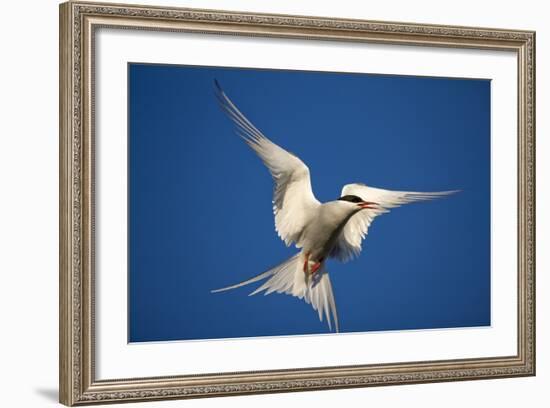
{"points": [[28, 206]]}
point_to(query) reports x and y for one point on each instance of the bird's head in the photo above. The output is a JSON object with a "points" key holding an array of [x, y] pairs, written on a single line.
{"points": [[357, 203]]}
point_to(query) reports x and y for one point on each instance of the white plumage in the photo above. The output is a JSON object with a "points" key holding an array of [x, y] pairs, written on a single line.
{"points": [[334, 229]]}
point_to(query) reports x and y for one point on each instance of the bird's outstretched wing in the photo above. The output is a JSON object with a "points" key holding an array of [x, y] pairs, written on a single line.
{"points": [[348, 244], [293, 199]]}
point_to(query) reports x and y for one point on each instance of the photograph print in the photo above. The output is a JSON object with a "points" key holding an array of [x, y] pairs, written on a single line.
{"points": [[358, 202]]}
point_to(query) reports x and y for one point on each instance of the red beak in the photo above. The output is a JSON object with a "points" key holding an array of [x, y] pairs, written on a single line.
{"points": [[368, 204]]}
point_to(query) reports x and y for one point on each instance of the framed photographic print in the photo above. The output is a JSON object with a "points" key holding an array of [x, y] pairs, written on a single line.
{"points": [[256, 203]]}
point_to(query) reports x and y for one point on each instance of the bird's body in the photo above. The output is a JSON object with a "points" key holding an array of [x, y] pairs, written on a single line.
{"points": [[321, 231]]}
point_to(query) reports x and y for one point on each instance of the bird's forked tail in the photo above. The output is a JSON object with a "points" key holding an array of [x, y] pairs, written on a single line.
{"points": [[289, 277]]}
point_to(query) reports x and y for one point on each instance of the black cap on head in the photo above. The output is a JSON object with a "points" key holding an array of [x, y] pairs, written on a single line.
{"points": [[351, 199]]}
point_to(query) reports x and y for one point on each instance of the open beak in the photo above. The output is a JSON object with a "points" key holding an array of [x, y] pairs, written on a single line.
{"points": [[368, 205]]}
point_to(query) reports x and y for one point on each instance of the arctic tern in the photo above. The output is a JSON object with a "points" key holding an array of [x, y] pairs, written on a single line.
{"points": [[321, 231]]}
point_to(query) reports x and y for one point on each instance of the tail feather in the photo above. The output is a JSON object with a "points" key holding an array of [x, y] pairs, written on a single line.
{"points": [[257, 277], [289, 278], [319, 294], [280, 281]]}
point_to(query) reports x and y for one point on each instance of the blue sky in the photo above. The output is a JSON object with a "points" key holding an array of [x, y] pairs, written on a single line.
{"points": [[200, 214]]}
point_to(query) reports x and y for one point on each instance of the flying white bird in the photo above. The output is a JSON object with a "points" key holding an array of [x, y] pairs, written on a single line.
{"points": [[334, 229]]}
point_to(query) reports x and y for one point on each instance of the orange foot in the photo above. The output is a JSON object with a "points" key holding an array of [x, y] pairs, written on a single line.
{"points": [[315, 268]]}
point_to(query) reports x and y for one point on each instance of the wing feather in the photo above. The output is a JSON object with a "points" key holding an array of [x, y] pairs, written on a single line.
{"points": [[349, 242], [293, 198]]}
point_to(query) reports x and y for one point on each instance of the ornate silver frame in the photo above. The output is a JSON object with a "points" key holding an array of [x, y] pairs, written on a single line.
{"points": [[78, 384]]}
